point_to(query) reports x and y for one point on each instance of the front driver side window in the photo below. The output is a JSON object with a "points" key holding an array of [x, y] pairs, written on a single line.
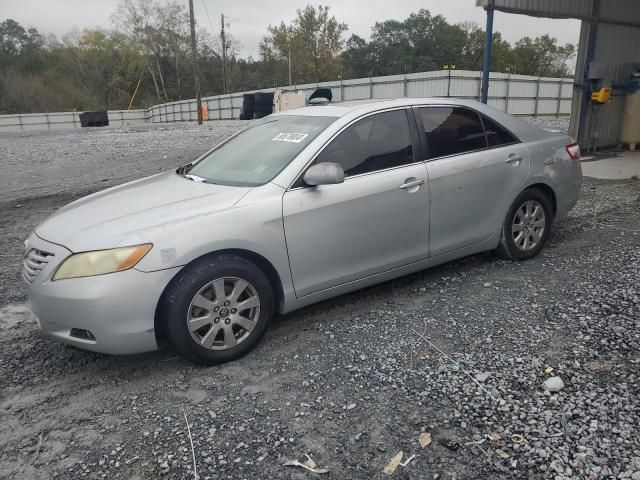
{"points": [[374, 143]]}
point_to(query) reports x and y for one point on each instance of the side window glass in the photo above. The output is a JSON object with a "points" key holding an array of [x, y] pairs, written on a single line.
{"points": [[375, 143], [452, 130], [496, 135]]}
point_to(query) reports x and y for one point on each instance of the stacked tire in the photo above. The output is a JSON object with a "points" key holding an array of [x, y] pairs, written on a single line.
{"points": [[248, 103], [263, 104]]}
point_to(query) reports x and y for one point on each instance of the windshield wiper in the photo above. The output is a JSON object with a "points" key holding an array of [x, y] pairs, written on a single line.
{"points": [[184, 168], [195, 178]]}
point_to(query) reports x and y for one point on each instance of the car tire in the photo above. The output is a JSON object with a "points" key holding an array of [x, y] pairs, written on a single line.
{"points": [[198, 309], [527, 226]]}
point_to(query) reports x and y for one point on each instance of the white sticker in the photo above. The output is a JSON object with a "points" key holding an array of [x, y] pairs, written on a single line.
{"points": [[290, 137]]}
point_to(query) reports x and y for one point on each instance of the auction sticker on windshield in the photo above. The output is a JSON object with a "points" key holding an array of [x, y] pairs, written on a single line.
{"points": [[290, 137]]}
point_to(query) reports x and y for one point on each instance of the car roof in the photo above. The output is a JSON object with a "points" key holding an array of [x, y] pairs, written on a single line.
{"points": [[371, 105], [525, 131]]}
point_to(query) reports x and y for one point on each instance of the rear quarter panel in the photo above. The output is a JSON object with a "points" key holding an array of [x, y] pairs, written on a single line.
{"points": [[552, 165]]}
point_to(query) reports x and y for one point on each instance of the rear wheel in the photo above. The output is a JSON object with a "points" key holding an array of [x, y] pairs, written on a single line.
{"points": [[527, 226], [217, 309]]}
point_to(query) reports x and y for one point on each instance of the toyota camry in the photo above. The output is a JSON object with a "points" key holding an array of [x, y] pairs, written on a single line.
{"points": [[299, 207]]}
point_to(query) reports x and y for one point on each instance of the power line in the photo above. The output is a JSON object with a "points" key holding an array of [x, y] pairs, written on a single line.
{"points": [[207, 12]]}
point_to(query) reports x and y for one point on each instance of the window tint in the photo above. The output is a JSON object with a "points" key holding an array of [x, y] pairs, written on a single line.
{"points": [[452, 130], [374, 143], [496, 135]]}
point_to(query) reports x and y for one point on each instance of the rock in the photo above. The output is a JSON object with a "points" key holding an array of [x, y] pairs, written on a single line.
{"points": [[482, 376], [635, 475], [486, 284], [553, 384]]}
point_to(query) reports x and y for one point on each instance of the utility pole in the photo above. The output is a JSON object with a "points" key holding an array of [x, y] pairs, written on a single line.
{"points": [[196, 70], [224, 54]]}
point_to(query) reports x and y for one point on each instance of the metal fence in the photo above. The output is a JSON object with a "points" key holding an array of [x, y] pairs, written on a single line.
{"points": [[515, 94], [66, 120]]}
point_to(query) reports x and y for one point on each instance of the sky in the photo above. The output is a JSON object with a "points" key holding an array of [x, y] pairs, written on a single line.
{"points": [[248, 19]]}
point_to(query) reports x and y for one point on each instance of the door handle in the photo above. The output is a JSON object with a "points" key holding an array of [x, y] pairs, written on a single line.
{"points": [[513, 158], [413, 183]]}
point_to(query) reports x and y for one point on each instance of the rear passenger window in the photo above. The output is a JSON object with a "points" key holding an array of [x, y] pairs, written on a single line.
{"points": [[377, 142], [496, 135], [452, 130]]}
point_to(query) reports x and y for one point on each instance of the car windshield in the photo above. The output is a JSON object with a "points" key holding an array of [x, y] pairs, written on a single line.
{"points": [[256, 155]]}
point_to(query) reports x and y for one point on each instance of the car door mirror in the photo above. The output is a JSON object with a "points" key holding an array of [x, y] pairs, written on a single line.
{"points": [[324, 173]]}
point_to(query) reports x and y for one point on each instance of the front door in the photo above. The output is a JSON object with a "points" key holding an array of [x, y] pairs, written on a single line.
{"points": [[375, 221]]}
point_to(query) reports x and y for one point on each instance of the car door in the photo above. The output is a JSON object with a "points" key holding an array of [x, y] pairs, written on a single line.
{"points": [[376, 220], [473, 175]]}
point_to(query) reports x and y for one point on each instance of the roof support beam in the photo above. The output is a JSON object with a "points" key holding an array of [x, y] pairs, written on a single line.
{"points": [[486, 62]]}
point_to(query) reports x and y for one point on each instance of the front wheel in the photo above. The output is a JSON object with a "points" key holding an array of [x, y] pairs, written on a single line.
{"points": [[217, 309], [527, 226]]}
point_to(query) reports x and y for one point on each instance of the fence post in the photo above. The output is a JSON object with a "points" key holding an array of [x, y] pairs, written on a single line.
{"points": [[506, 99], [535, 112], [404, 88], [448, 82], [46, 116], [20, 120], [219, 109], [73, 117], [480, 88], [559, 98], [173, 112], [370, 86], [341, 90]]}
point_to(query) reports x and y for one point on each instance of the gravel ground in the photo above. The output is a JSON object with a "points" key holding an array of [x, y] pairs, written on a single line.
{"points": [[350, 381]]}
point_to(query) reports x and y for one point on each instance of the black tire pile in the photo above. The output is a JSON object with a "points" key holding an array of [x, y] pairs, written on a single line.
{"points": [[256, 105]]}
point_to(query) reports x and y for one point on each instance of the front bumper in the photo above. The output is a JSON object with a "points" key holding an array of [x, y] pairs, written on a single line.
{"points": [[118, 308]]}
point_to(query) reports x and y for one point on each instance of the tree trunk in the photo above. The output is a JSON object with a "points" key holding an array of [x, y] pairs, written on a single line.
{"points": [[164, 90], [178, 79], [155, 83]]}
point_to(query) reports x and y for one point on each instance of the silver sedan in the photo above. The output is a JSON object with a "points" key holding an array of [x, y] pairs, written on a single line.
{"points": [[299, 207]]}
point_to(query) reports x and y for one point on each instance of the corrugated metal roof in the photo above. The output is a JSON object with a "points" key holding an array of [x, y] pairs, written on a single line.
{"points": [[624, 12]]}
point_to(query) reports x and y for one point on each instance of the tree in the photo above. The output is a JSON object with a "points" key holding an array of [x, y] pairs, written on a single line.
{"points": [[314, 40], [162, 33], [542, 56], [358, 58], [19, 48]]}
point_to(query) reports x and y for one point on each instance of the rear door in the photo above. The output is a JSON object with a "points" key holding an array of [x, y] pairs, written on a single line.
{"points": [[475, 167], [375, 220]]}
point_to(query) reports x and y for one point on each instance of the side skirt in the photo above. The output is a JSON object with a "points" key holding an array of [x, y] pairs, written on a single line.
{"points": [[296, 303]]}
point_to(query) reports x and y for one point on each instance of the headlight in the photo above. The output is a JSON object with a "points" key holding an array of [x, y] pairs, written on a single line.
{"points": [[99, 262]]}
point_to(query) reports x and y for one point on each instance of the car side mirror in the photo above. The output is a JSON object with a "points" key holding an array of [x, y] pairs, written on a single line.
{"points": [[325, 173]]}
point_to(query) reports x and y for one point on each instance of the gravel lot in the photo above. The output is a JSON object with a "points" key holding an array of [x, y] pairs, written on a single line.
{"points": [[349, 381]]}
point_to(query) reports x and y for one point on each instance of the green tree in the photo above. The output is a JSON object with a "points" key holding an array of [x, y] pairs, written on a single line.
{"points": [[541, 56], [314, 40]]}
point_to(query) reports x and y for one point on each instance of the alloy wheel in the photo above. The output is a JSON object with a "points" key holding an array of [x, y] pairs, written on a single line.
{"points": [[223, 313], [528, 226]]}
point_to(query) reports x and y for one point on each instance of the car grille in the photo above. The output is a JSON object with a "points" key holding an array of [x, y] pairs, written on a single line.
{"points": [[34, 261]]}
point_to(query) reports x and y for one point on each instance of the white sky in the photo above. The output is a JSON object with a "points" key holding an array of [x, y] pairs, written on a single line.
{"points": [[250, 18]]}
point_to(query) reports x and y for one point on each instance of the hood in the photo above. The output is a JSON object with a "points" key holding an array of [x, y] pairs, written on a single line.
{"points": [[128, 214]]}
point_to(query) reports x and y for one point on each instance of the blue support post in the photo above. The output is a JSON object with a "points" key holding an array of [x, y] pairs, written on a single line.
{"points": [[486, 62]]}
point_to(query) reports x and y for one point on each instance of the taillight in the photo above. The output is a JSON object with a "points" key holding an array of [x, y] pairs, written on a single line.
{"points": [[573, 150]]}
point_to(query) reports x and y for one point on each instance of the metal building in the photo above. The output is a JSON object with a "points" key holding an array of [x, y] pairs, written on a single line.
{"points": [[608, 52]]}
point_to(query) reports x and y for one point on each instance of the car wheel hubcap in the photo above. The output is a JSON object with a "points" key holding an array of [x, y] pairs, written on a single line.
{"points": [[223, 313], [528, 227]]}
